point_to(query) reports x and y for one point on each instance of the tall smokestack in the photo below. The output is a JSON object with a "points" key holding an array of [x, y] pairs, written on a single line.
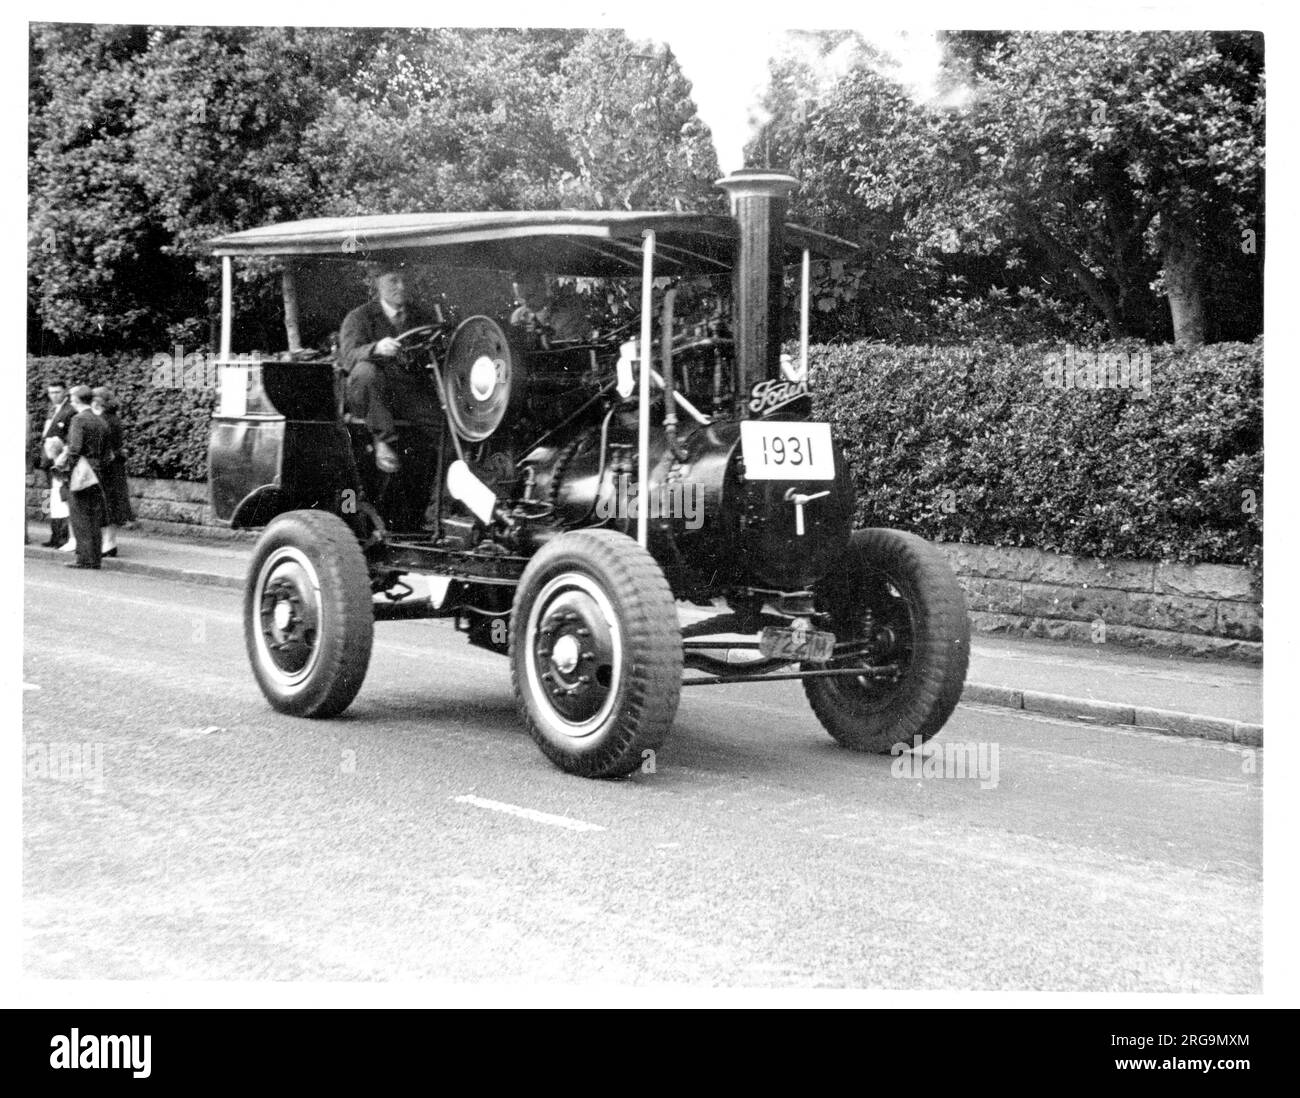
{"points": [[758, 203]]}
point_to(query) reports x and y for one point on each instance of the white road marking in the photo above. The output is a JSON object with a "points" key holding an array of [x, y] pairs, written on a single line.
{"points": [[191, 733], [528, 813], [30, 686]]}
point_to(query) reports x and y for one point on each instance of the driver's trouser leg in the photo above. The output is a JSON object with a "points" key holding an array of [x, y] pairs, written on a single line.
{"points": [[404, 496], [399, 406], [409, 491], [369, 398]]}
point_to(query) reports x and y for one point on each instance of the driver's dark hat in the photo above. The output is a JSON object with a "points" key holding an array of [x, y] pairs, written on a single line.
{"points": [[382, 266]]}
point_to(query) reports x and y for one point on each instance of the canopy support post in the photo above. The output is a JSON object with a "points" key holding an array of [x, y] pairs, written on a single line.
{"points": [[225, 307], [289, 289], [643, 416], [803, 316]]}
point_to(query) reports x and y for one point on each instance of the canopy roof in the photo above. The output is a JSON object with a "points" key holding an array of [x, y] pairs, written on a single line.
{"points": [[570, 242]]}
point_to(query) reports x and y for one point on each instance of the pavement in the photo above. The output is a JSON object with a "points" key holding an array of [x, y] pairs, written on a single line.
{"points": [[1107, 685]]}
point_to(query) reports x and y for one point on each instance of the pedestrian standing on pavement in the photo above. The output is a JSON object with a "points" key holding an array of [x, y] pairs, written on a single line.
{"points": [[83, 463], [56, 427], [117, 491]]}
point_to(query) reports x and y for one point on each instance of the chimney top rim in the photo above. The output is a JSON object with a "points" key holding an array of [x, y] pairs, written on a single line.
{"points": [[757, 181]]}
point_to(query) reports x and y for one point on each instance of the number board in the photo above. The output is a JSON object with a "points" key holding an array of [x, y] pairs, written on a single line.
{"points": [[786, 451]]}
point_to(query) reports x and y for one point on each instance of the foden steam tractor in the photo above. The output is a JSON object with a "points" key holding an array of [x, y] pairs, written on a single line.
{"points": [[554, 531]]}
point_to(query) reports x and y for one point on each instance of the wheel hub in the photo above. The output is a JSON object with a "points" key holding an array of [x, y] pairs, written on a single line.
{"points": [[885, 640], [566, 653], [289, 616], [483, 378], [575, 652], [883, 628]]}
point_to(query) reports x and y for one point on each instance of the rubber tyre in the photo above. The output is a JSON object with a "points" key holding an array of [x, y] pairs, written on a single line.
{"points": [[614, 719], [874, 717], [311, 556]]}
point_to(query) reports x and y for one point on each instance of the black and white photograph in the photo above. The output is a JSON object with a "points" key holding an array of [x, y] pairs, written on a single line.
{"points": [[647, 506]]}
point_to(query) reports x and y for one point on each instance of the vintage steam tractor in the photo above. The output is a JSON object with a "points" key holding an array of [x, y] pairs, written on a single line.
{"points": [[586, 491]]}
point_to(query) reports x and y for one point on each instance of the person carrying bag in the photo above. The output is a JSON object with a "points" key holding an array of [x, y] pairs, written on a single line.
{"points": [[84, 457], [83, 476]]}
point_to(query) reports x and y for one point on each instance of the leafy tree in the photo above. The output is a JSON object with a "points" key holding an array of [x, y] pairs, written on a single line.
{"points": [[474, 119], [1113, 166], [452, 120], [146, 142], [632, 128], [89, 221], [219, 124], [1116, 153]]}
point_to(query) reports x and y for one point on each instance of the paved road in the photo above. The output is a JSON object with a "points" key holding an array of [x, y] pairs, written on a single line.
{"points": [[423, 836]]}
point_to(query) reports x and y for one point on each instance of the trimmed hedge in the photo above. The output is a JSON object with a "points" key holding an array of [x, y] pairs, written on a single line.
{"points": [[973, 444], [965, 443], [165, 427]]}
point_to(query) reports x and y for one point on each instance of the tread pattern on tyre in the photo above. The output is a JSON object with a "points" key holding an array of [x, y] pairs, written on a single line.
{"points": [[652, 645], [348, 634], [930, 692]]}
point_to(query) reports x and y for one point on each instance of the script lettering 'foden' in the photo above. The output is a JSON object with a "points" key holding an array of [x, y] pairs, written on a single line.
{"points": [[767, 396]]}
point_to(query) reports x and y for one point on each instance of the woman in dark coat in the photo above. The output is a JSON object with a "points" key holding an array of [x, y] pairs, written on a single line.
{"points": [[117, 492]]}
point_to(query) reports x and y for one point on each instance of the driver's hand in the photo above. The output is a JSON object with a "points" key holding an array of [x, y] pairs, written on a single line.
{"points": [[387, 347]]}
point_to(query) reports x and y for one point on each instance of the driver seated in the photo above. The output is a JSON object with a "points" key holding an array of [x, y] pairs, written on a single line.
{"points": [[550, 316], [381, 391], [396, 399]]}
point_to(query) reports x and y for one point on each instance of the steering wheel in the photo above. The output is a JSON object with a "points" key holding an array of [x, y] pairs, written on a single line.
{"points": [[414, 340]]}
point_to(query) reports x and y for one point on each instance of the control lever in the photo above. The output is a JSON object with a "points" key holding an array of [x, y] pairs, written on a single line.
{"points": [[799, 499]]}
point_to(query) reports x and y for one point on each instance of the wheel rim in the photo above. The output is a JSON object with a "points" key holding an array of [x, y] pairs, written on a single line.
{"points": [[288, 607], [574, 662], [890, 624]]}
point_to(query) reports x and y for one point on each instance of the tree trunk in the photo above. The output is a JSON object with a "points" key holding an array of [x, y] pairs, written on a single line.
{"points": [[1183, 282], [1066, 260]]}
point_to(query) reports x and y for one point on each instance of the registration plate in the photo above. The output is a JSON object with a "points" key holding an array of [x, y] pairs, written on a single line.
{"points": [[796, 644], [787, 451]]}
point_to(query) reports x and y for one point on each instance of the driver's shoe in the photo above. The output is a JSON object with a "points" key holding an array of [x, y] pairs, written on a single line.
{"points": [[386, 458]]}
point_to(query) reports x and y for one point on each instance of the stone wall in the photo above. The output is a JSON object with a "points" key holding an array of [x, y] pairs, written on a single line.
{"points": [[1199, 609], [177, 507]]}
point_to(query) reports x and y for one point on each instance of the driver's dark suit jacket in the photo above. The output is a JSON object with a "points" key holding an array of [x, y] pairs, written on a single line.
{"points": [[383, 393]]}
